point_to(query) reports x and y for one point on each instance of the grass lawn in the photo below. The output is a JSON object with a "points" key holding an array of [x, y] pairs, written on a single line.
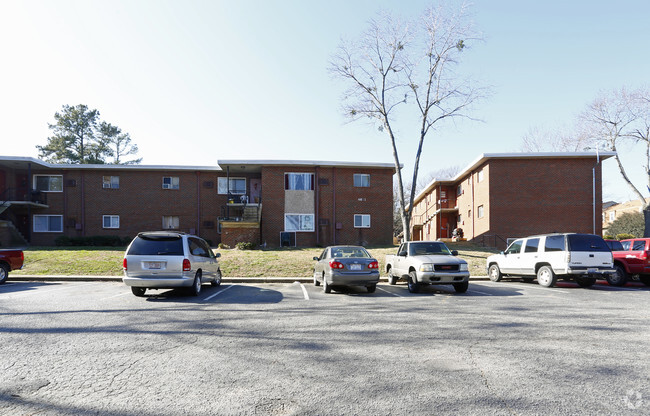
{"points": [[294, 262]]}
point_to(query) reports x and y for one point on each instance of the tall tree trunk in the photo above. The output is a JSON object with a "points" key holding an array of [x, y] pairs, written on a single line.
{"points": [[646, 217]]}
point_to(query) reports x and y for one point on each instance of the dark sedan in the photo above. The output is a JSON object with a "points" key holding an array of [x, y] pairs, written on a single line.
{"points": [[346, 266]]}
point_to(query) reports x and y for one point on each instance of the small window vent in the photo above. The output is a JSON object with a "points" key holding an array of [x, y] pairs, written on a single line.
{"points": [[71, 183], [208, 184]]}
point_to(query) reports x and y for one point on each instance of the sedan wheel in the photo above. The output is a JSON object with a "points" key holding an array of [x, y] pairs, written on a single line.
{"points": [[495, 273], [138, 291], [546, 276], [414, 286], [326, 286], [619, 278], [217, 279]]}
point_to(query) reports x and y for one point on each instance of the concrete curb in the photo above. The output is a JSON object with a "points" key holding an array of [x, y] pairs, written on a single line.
{"points": [[76, 278]]}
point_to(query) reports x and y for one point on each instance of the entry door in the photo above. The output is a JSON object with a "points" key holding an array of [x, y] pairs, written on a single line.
{"points": [[256, 190]]}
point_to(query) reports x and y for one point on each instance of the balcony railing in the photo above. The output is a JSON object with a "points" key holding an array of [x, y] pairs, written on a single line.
{"points": [[23, 195]]}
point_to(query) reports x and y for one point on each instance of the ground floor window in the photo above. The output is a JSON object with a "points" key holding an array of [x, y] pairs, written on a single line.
{"points": [[361, 221], [170, 222], [298, 222], [48, 223], [111, 221]]}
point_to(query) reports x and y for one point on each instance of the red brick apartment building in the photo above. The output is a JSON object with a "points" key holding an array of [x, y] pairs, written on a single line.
{"points": [[501, 196], [289, 203]]}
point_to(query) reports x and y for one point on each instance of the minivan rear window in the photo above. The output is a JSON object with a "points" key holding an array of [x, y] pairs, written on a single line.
{"points": [[158, 246], [587, 242]]}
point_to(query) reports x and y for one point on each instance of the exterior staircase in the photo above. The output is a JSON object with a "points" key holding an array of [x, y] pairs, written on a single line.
{"points": [[252, 213], [10, 236]]}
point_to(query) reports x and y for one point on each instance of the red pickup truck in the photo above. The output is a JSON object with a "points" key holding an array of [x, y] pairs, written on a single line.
{"points": [[631, 260], [10, 260]]}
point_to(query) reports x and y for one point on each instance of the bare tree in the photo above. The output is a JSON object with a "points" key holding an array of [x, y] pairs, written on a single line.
{"points": [[615, 117], [539, 139], [396, 64]]}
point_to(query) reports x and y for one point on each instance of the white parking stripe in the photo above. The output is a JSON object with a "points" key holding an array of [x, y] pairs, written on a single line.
{"points": [[390, 293], [114, 296], [219, 292], [304, 290]]}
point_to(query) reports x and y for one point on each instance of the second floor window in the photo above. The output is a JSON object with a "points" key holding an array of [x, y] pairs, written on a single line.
{"points": [[361, 180], [170, 182], [111, 182], [48, 183], [237, 186], [299, 181]]}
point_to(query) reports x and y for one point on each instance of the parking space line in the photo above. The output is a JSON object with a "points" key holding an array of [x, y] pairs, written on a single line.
{"points": [[304, 289], [219, 292], [390, 293], [481, 293], [114, 296]]}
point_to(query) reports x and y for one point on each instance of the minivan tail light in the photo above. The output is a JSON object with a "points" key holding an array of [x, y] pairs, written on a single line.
{"points": [[373, 265], [336, 265], [124, 265], [186, 265]]}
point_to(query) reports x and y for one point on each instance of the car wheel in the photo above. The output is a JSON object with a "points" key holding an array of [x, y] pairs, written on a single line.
{"points": [[371, 288], [326, 286], [461, 287], [4, 273], [645, 279], [138, 291], [217, 279], [316, 282], [392, 280], [546, 276], [619, 278], [414, 286], [585, 281], [495, 273], [196, 286]]}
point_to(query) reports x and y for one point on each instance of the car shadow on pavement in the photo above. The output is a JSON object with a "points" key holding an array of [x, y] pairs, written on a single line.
{"points": [[242, 295], [20, 286]]}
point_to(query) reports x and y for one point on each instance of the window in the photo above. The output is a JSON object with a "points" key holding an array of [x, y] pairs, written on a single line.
{"points": [[170, 182], [532, 245], [48, 183], [515, 247], [170, 222], [554, 243], [299, 181], [111, 182], [111, 221], [479, 176], [638, 245], [612, 216], [298, 222], [48, 223], [198, 247], [361, 180], [480, 211], [237, 186], [361, 221], [459, 190]]}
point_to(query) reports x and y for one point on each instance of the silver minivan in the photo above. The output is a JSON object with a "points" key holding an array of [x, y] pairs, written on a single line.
{"points": [[166, 260]]}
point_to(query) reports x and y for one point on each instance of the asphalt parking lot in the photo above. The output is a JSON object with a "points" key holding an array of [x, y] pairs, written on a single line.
{"points": [[507, 348]]}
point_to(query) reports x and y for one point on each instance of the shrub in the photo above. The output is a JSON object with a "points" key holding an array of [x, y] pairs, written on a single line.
{"points": [[608, 237], [222, 246], [624, 236], [631, 224], [246, 246]]}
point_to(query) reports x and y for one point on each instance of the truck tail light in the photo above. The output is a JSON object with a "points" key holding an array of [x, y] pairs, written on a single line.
{"points": [[336, 265], [645, 257], [186, 265], [373, 265], [124, 265]]}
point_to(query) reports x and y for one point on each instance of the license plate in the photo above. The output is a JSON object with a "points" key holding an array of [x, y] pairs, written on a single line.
{"points": [[592, 270], [154, 265], [355, 267]]}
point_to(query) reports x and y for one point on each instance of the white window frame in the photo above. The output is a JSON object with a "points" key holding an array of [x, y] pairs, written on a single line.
{"points": [[48, 224], [479, 176], [111, 182], [222, 186], [171, 222], [49, 183], [359, 182], [113, 221], [304, 222], [174, 182], [480, 211], [364, 220], [309, 185]]}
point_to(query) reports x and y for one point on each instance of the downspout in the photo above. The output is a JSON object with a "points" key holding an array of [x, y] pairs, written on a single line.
{"points": [[316, 221], [334, 205], [471, 177], [228, 192], [30, 221], [198, 203], [83, 204]]}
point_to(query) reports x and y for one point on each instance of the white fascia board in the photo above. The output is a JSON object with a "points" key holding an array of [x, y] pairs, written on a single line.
{"points": [[104, 166]]}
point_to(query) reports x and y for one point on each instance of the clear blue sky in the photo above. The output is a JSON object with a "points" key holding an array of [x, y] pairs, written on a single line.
{"points": [[197, 81]]}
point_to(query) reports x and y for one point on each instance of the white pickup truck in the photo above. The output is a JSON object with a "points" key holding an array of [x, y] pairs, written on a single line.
{"points": [[427, 262], [580, 257]]}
